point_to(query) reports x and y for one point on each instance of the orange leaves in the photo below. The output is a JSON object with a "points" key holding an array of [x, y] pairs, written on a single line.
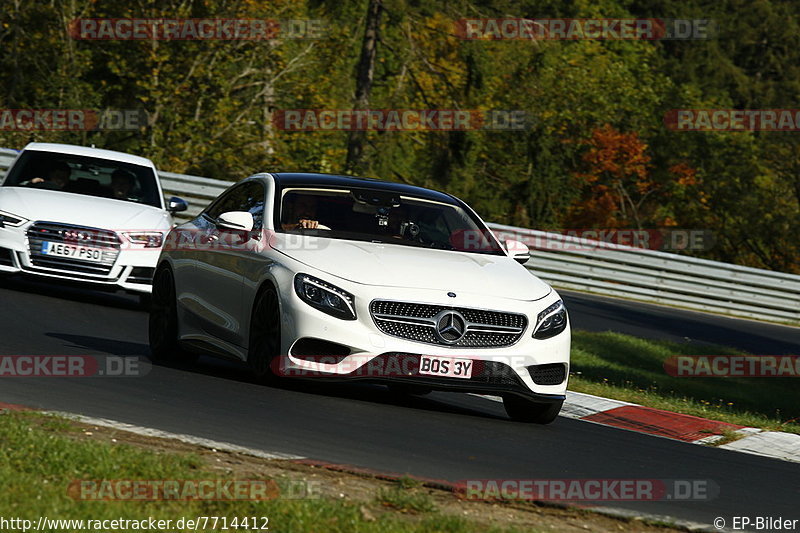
{"points": [[614, 180], [684, 174], [617, 155]]}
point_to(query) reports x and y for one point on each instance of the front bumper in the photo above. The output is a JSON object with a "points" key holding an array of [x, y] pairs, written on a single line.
{"points": [[368, 354], [489, 377], [132, 270]]}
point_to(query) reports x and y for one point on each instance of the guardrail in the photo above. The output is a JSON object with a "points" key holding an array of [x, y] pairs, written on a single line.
{"points": [[7, 155], [197, 191], [657, 277], [598, 267]]}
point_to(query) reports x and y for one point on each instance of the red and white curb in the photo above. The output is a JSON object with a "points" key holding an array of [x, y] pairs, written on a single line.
{"points": [[686, 428], [693, 429]]}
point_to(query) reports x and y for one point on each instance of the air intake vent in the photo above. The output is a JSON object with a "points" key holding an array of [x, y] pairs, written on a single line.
{"points": [[550, 374], [141, 275], [6, 259]]}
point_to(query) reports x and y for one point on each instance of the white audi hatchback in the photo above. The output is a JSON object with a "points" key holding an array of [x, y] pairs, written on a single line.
{"points": [[83, 214], [332, 277]]}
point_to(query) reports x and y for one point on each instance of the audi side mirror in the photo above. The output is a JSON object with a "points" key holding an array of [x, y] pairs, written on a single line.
{"points": [[176, 205]]}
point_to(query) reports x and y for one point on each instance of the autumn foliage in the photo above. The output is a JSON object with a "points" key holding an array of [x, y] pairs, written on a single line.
{"points": [[594, 152], [614, 181]]}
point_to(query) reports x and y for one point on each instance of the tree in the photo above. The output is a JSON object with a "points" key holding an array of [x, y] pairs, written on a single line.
{"points": [[364, 75]]}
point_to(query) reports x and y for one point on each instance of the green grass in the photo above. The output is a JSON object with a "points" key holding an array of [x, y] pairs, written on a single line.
{"points": [[39, 458], [406, 499], [631, 369]]}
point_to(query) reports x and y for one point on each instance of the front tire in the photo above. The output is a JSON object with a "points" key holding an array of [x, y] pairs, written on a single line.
{"points": [[265, 335], [523, 410]]}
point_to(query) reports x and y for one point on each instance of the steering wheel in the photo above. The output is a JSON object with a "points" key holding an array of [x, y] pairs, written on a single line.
{"points": [[319, 226]]}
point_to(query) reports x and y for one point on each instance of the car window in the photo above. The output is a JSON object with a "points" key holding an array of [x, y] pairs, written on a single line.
{"points": [[245, 197], [88, 176]]}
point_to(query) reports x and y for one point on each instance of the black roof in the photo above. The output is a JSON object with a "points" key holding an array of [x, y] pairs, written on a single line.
{"points": [[311, 179]]}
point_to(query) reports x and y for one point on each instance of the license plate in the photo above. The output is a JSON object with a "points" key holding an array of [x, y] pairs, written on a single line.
{"points": [[445, 366], [72, 251]]}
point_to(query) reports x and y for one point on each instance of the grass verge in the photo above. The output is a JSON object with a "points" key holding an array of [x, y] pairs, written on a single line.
{"points": [[623, 367], [41, 455]]}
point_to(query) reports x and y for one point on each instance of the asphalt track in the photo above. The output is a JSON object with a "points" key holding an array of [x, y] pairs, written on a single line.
{"points": [[442, 436]]}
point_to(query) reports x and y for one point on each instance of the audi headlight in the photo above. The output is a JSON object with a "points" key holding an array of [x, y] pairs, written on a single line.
{"points": [[148, 239], [7, 219], [551, 321], [325, 297]]}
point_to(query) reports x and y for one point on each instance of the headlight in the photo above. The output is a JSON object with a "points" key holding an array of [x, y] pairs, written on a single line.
{"points": [[551, 321], [325, 297], [7, 219], [148, 239]]}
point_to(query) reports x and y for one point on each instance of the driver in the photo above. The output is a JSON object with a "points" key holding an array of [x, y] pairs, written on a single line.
{"points": [[57, 177], [300, 212]]}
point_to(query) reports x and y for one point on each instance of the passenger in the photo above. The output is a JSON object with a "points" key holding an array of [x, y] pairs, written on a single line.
{"points": [[122, 184]]}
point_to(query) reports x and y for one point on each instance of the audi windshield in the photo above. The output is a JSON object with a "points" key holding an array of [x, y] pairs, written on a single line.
{"points": [[85, 175]]}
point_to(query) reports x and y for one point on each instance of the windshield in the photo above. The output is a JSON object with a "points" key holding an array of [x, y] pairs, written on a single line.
{"points": [[382, 216], [85, 175]]}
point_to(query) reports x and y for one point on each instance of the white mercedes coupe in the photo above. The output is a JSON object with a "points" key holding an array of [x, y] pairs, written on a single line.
{"points": [[341, 278], [87, 215]]}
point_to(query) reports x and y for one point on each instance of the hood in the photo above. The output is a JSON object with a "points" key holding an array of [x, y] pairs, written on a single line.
{"points": [[81, 210], [418, 268]]}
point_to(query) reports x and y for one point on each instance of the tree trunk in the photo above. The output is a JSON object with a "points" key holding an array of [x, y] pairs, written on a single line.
{"points": [[364, 76]]}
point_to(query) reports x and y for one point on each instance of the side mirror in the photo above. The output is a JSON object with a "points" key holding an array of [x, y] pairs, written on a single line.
{"points": [[176, 205], [518, 251], [236, 221]]}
